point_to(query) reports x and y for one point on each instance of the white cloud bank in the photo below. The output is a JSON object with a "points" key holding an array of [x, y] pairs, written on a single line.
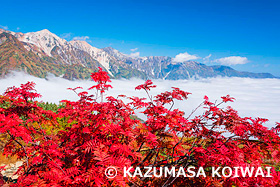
{"points": [[232, 60], [182, 57], [254, 97], [82, 38]]}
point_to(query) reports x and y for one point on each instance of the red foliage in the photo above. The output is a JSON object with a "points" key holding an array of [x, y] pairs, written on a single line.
{"points": [[101, 78], [107, 134], [146, 86]]}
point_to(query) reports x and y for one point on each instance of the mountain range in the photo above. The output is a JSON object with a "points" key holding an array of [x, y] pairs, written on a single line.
{"points": [[43, 52]]}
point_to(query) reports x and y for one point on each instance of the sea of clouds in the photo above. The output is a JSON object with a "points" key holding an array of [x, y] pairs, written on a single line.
{"points": [[254, 97]]}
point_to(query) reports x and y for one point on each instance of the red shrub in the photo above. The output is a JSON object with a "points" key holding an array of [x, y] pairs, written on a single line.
{"points": [[75, 145]]}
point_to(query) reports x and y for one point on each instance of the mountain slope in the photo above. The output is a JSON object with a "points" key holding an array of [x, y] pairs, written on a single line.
{"points": [[15, 56], [75, 58], [114, 66], [162, 67], [61, 50], [230, 72], [42, 52]]}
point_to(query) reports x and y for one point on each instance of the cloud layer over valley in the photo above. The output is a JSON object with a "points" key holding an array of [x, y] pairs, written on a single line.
{"points": [[254, 97]]}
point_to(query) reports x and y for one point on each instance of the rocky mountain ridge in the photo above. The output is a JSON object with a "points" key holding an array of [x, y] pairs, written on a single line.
{"points": [[42, 52]]}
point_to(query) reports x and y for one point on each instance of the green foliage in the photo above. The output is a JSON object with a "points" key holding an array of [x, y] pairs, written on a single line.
{"points": [[51, 106]]}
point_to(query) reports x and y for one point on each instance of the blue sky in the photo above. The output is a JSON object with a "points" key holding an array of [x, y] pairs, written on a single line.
{"points": [[247, 30]]}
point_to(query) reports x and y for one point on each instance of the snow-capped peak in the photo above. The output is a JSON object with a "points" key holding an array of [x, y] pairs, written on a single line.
{"points": [[44, 39]]}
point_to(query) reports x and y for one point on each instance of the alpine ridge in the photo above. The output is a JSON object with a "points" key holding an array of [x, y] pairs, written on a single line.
{"points": [[43, 52]]}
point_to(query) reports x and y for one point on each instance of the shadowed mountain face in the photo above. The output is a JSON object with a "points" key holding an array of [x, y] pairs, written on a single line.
{"points": [[42, 52]]}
